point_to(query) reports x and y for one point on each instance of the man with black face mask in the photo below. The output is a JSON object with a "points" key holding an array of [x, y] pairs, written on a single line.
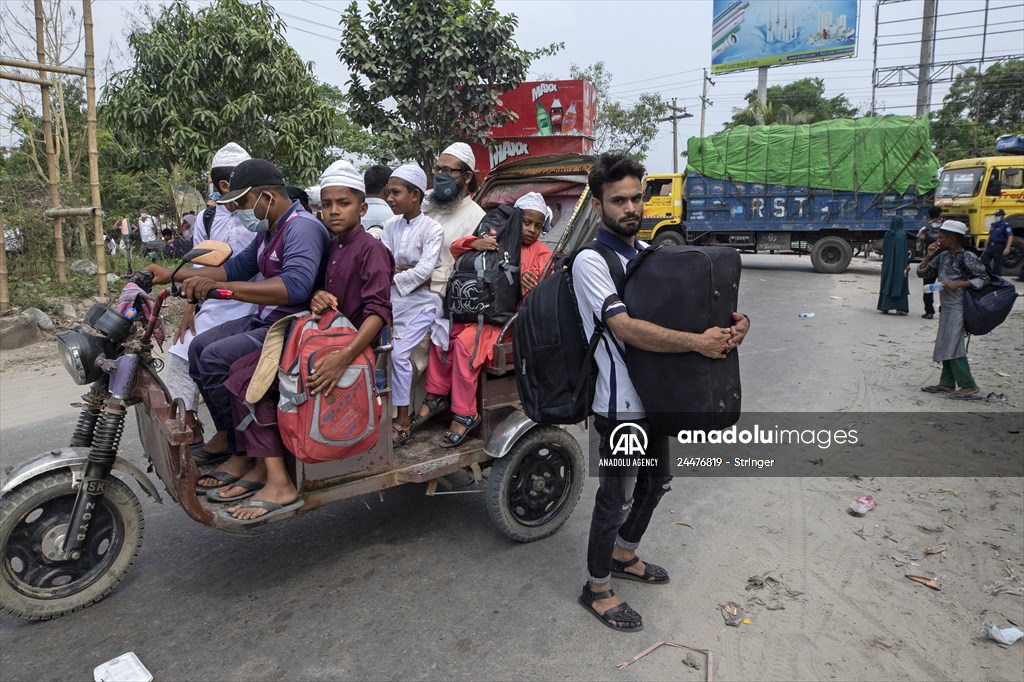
{"points": [[448, 202], [628, 494]]}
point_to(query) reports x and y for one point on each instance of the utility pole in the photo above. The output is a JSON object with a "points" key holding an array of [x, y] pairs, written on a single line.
{"points": [[762, 92], [704, 101], [677, 113], [924, 85]]}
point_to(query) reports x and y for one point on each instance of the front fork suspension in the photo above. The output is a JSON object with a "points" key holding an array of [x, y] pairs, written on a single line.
{"points": [[108, 425]]}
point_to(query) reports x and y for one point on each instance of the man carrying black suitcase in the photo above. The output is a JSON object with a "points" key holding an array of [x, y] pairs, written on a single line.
{"points": [[628, 494]]}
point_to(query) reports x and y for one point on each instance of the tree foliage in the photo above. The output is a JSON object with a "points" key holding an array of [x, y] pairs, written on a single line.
{"points": [[426, 73], [352, 139], [795, 103], [978, 109], [626, 129], [223, 73]]}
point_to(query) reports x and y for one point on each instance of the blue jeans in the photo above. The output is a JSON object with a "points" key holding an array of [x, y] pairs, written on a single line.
{"points": [[626, 498]]}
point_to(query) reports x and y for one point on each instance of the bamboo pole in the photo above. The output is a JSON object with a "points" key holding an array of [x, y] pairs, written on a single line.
{"points": [[5, 299], [94, 169], [40, 66], [13, 76], [51, 155], [70, 212]]}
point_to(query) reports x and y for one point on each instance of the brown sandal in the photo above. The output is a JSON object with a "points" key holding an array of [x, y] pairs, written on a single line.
{"points": [[400, 436], [938, 388]]}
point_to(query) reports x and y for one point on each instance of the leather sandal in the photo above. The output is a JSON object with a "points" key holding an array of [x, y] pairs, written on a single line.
{"points": [[653, 573], [626, 619], [938, 388], [434, 406], [452, 439], [400, 436]]}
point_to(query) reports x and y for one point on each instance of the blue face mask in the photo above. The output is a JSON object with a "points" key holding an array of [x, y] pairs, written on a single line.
{"points": [[249, 219], [446, 187]]}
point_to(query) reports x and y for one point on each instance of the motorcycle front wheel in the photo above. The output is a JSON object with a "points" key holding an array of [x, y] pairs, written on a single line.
{"points": [[36, 583]]}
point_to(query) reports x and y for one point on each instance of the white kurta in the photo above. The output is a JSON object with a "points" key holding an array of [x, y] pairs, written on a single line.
{"points": [[459, 219], [415, 243], [226, 227]]}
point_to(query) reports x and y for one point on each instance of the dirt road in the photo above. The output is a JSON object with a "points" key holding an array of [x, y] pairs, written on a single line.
{"points": [[409, 587]]}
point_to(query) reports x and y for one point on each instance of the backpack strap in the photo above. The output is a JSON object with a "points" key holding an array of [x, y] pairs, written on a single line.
{"points": [[266, 369], [208, 215]]}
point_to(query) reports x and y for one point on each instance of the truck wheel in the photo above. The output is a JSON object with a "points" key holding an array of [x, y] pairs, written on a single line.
{"points": [[831, 255], [38, 585], [669, 238], [533, 489], [1013, 261]]}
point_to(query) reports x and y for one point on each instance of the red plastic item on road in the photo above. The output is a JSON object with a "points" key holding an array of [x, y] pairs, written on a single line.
{"points": [[862, 505]]}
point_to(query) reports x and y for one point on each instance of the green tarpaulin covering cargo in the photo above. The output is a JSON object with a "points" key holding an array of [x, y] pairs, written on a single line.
{"points": [[872, 155]]}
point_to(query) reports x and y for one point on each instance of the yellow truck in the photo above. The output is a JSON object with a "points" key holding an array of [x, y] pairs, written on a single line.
{"points": [[972, 190]]}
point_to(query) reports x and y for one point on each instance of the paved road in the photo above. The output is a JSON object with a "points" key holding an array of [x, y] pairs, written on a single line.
{"points": [[412, 587]]}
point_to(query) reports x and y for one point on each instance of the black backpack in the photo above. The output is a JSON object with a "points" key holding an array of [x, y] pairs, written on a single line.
{"points": [[988, 307], [484, 285], [554, 361]]}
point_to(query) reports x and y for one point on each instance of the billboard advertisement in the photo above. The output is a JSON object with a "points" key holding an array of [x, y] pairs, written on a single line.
{"points": [[747, 34], [547, 108]]}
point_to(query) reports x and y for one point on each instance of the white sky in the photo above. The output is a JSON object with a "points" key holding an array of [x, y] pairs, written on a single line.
{"points": [[656, 46]]}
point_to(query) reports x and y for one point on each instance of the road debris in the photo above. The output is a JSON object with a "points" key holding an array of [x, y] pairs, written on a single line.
{"points": [[1005, 636], [683, 523], [924, 580], [709, 666], [912, 554], [732, 613], [691, 662], [943, 490], [937, 549], [862, 505], [1005, 585], [879, 643], [125, 668]]}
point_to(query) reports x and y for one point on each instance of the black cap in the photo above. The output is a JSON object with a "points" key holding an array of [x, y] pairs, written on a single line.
{"points": [[1000, 212], [249, 174]]}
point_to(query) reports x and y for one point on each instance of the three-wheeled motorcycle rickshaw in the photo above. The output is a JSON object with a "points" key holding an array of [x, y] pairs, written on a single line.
{"points": [[71, 527]]}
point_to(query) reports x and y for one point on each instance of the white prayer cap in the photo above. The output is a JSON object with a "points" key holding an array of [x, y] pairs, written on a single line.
{"points": [[532, 201], [462, 152], [229, 156], [411, 173], [314, 194], [954, 226], [342, 173]]}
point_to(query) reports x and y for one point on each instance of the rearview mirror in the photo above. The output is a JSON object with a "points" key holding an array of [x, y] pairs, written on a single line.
{"points": [[209, 253]]}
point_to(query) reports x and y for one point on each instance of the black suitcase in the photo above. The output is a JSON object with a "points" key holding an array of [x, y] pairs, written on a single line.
{"points": [[688, 288]]}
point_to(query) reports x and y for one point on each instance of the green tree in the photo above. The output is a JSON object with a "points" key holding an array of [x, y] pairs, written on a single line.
{"points": [[223, 73], [352, 139], [795, 103], [426, 73], [626, 129], [978, 109]]}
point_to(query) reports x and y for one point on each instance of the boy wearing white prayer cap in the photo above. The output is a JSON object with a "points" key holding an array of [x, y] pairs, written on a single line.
{"points": [[220, 224], [415, 241]]}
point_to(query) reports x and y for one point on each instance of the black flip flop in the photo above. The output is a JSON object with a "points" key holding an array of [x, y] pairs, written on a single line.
{"points": [[250, 487], [659, 574], [204, 457], [273, 509], [620, 614], [224, 477]]}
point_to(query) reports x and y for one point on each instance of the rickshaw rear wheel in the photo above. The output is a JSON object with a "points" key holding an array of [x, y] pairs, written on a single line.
{"points": [[533, 489], [35, 583]]}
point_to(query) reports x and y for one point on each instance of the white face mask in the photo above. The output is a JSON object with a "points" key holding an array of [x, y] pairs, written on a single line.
{"points": [[249, 219]]}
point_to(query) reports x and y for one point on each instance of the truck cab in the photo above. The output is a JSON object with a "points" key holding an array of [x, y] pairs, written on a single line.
{"points": [[662, 221], [972, 190]]}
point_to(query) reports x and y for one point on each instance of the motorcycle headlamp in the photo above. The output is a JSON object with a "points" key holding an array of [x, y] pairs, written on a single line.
{"points": [[79, 352]]}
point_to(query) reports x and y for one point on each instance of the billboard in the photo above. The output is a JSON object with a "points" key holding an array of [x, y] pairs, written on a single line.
{"points": [[746, 34], [546, 108]]}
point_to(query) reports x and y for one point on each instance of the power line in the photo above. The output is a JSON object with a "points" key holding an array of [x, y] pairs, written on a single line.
{"points": [[953, 28], [947, 14], [958, 37]]}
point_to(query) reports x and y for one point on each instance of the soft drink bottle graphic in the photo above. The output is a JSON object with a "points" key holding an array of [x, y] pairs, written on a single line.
{"points": [[569, 120], [556, 116], [543, 121]]}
